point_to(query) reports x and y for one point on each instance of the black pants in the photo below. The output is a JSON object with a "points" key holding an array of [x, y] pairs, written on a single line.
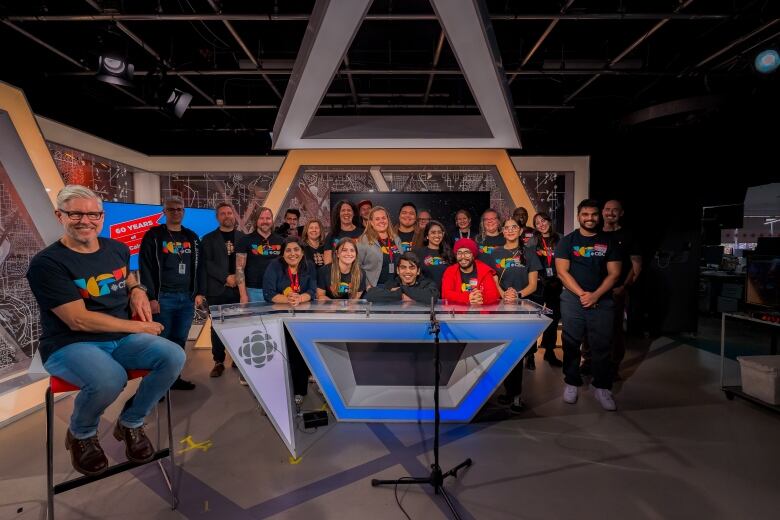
{"points": [[618, 336], [595, 324], [513, 384], [228, 296], [552, 299], [299, 370]]}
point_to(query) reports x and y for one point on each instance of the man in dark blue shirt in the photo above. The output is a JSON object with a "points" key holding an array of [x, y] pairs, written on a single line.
{"points": [[588, 264]]}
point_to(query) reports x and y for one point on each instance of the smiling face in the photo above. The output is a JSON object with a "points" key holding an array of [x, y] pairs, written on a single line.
{"points": [[346, 252], [465, 258], [265, 222], [542, 225], [313, 231], [86, 229], [490, 223], [292, 254], [345, 215], [408, 272], [379, 221], [435, 236], [612, 212], [463, 221], [174, 213], [407, 217], [511, 230], [588, 218], [291, 219], [423, 217]]}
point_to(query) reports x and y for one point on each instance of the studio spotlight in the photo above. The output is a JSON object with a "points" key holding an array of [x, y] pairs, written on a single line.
{"points": [[178, 101], [767, 61], [115, 71]]}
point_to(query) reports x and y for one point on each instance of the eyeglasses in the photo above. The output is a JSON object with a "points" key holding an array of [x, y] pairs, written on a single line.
{"points": [[464, 253], [76, 216], [174, 210], [511, 228]]}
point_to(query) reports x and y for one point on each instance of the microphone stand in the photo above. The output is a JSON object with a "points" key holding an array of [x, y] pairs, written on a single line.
{"points": [[436, 478]]}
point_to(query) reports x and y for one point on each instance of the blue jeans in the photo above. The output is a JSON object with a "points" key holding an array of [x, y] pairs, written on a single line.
{"points": [[255, 295], [99, 369], [176, 312]]}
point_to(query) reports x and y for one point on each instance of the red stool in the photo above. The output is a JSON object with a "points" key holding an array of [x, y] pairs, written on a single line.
{"points": [[56, 386]]}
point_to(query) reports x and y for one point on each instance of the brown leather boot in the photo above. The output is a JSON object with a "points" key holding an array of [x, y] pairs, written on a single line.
{"points": [[86, 455], [138, 447]]}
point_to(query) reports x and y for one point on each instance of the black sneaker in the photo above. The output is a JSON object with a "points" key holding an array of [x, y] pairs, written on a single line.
{"points": [[505, 399], [530, 362], [182, 384], [551, 358], [517, 405]]}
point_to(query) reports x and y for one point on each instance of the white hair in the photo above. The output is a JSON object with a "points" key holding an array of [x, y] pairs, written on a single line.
{"points": [[75, 191], [173, 199]]}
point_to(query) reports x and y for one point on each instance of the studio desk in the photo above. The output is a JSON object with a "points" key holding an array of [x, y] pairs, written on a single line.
{"points": [[374, 362]]}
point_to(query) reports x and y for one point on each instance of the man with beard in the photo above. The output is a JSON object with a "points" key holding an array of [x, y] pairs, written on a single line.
{"points": [[408, 286], [407, 225], [254, 253], [290, 227], [469, 281], [588, 264], [86, 295], [218, 273]]}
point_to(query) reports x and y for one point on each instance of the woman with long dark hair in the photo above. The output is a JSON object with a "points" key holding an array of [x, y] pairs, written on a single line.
{"points": [[550, 287], [344, 222], [343, 278], [434, 252], [292, 280]]}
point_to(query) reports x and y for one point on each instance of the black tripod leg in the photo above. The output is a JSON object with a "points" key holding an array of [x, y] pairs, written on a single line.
{"points": [[448, 500], [402, 482], [454, 471]]}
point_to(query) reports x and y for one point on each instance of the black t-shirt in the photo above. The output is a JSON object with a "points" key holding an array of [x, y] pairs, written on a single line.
{"points": [[513, 266], [432, 263], [315, 254], [175, 266], [58, 275], [260, 252], [407, 240], [624, 241], [487, 245], [468, 281], [545, 252], [230, 247], [588, 257], [528, 236], [332, 240], [344, 288], [390, 255]]}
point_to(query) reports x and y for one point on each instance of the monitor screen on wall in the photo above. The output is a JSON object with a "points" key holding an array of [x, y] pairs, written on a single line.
{"points": [[442, 204], [129, 222]]}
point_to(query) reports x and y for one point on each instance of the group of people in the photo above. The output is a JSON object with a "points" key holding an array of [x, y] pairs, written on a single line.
{"points": [[85, 290]]}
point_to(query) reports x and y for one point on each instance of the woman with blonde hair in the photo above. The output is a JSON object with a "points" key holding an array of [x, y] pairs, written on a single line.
{"points": [[342, 279], [314, 242], [379, 248]]}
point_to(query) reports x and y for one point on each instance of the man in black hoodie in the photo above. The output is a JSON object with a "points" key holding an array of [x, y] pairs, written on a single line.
{"points": [[408, 286], [168, 262]]}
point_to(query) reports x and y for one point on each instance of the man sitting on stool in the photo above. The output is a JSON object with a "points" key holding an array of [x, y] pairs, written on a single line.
{"points": [[86, 293]]}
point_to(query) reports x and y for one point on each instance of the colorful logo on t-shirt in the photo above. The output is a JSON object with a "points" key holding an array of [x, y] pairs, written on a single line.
{"points": [[393, 248], [343, 288], [266, 249], [468, 287], [543, 253], [590, 251], [506, 263], [406, 246], [176, 247], [488, 250], [102, 284], [434, 260]]}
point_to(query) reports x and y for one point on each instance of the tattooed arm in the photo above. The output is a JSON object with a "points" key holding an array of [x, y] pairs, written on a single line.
{"points": [[240, 277]]}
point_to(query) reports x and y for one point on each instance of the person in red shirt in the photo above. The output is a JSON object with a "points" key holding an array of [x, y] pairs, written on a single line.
{"points": [[469, 281]]}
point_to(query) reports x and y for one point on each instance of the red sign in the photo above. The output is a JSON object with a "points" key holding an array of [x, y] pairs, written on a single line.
{"points": [[131, 232]]}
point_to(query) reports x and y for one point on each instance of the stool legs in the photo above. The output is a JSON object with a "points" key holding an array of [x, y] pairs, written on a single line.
{"points": [[50, 453]]}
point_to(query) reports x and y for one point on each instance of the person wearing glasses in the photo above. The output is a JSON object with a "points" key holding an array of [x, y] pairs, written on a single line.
{"points": [[86, 295], [490, 236], [168, 264], [469, 281], [517, 273], [423, 217]]}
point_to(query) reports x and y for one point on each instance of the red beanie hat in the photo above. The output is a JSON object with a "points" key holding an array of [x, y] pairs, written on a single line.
{"points": [[466, 243]]}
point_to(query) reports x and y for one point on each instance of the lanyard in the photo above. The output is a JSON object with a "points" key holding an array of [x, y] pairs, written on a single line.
{"points": [[177, 250], [390, 245], [294, 282], [547, 250]]}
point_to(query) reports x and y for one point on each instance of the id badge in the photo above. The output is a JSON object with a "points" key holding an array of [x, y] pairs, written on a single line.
{"points": [[391, 268], [182, 268], [549, 272]]}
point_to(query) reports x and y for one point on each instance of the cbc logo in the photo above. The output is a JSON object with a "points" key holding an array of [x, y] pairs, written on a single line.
{"points": [[257, 349]]}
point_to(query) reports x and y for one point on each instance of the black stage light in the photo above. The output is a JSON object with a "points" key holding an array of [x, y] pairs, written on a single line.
{"points": [[115, 71], [315, 419], [177, 102]]}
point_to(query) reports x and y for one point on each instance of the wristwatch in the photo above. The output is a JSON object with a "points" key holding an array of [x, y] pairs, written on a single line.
{"points": [[137, 286]]}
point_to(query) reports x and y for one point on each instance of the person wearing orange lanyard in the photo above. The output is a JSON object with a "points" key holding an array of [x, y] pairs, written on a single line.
{"points": [[549, 289], [292, 280], [378, 248]]}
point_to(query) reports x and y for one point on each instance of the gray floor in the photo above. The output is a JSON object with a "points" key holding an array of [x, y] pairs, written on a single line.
{"points": [[675, 449]]}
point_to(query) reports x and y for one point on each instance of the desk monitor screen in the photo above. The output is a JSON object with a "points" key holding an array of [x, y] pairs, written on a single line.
{"points": [[763, 281], [712, 255]]}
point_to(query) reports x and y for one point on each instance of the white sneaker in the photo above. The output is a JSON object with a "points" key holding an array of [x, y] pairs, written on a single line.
{"points": [[298, 400], [570, 394], [242, 380], [604, 397]]}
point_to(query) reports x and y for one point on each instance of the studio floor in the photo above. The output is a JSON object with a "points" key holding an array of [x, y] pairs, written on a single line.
{"points": [[676, 448]]}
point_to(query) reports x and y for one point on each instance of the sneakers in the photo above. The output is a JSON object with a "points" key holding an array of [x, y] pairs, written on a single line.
{"points": [[242, 381], [604, 397], [138, 447], [517, 405], [530, 362], [549, 356], [505, 399], [182, 384], [217, 370], [570, 394], [298, 400], [86, 455]]}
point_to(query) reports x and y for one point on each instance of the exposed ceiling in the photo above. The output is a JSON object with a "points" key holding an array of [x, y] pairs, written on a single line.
{"points": [[589, 65]]}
